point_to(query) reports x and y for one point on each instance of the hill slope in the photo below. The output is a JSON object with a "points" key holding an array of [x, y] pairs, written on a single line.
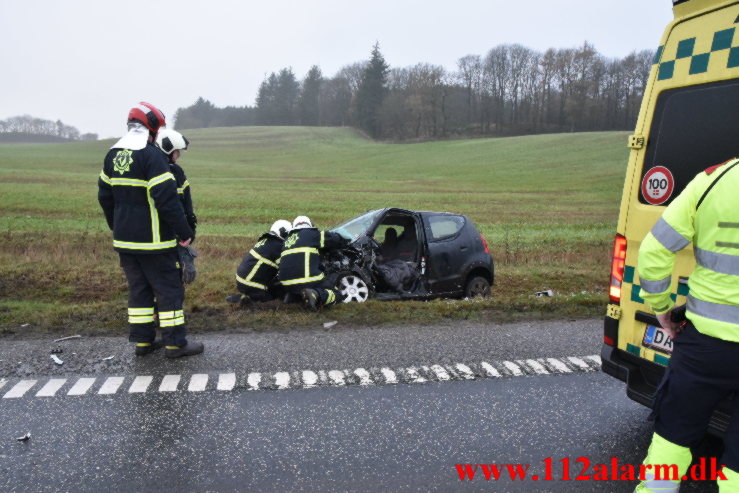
{"points": [[547, 204]]}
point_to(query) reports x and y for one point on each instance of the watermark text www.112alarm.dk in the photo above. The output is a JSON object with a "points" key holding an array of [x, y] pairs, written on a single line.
{"points": [[583, 469]]}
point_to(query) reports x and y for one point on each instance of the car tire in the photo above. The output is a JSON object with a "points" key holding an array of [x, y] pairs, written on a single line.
{"points": [[352, 288], [477, 287]]}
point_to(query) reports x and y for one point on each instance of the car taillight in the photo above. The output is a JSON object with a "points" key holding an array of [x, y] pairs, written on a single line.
{"points": [[618, 262], [484, 244]]}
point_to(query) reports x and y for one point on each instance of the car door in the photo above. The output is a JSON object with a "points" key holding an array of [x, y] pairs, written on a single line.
{"points": [[446, 253]]}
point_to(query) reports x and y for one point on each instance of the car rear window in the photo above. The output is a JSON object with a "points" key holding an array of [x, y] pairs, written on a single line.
{"points": [[444, 226], [693, 128]]}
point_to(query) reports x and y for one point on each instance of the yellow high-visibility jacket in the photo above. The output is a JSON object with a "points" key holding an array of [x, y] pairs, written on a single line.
{"points": [[705, 214]]}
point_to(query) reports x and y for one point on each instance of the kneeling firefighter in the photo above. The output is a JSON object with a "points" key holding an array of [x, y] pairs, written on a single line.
{"points": [[299, 270], [256, 276]]}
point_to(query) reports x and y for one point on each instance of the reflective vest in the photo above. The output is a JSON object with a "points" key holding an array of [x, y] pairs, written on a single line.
{"points": [[259, 266], [138, 194], [705, 214]]}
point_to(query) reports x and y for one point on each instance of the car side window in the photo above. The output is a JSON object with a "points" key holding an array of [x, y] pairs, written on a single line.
{"points": [[445, 226]]}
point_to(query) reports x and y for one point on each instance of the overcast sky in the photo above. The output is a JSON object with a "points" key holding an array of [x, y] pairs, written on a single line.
{"points": [[87, 62]]}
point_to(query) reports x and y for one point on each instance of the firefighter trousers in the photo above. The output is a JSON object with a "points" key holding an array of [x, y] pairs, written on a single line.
{"points": [[327, 296], [155, 284]]}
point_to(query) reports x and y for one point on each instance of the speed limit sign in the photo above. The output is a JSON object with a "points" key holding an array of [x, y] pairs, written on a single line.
{"points": [[657, 185]]}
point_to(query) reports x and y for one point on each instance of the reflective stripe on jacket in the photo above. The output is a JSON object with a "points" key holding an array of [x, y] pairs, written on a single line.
{"points": [[259, 266], [713, 229], [138, 194], [300, 259]]}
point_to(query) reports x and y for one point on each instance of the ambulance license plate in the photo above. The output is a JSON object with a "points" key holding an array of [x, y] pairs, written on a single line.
{"points": [[656, 338]]}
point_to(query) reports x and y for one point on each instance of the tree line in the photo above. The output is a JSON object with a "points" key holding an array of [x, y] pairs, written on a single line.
{"points": [[25, 126], [510, 90]]}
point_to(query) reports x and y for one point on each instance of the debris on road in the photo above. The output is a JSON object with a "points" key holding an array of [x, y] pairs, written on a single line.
{"points": [[67, 338], [328, 325], [25, 325], [25, 437], [107, 359], [56, 350], [548, 292], [56, 359]]}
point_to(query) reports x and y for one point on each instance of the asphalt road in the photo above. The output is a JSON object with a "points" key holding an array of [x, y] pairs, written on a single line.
{"points": [[352, 437], [314, 348]]}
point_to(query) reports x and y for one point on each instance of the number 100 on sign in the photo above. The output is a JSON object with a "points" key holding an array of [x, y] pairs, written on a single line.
{"points": [[657, 185]]}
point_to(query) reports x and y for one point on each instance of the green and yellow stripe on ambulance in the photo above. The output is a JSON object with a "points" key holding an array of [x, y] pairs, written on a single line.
{"points": [[632, 291]]}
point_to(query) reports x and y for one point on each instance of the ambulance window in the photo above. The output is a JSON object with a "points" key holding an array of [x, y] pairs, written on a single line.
{"points": [[693, 128]]}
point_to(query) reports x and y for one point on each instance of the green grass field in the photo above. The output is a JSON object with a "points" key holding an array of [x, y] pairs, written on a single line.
{"points": [[547, 204]]}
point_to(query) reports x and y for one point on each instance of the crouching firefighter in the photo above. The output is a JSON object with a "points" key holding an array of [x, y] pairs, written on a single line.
{"points": [[256, 276], [299, 271], [138, 195], [172, 143]]}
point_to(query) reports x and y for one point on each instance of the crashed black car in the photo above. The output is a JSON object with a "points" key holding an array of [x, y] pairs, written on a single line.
{"points": [[401, 254]]}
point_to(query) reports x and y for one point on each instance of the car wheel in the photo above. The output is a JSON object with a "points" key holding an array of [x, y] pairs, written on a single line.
{"points": [[352, 288], [477, 287]]}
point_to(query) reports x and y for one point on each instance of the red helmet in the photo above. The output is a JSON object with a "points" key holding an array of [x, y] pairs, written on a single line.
{"points": [[149, 115]]}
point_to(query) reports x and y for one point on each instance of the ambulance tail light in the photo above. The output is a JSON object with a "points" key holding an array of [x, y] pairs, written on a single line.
{"points": [[485, 244], [618, 263]]}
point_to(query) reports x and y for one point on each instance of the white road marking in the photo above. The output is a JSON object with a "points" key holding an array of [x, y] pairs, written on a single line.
{"points": [[198, 382], [169, 383], [595, 358], [337, 377], [20, 389], [440, 373], [390, 376], [364, 376], [282, 380], [513, 368], [140, 384], [51, 387], [81, 386], [490, 369], [413, 375], [322, 377], [310, 379], [111, 386], [558, 365], [538, 368], [465, 371], [226, 381], [579, 363], [253, 381]]}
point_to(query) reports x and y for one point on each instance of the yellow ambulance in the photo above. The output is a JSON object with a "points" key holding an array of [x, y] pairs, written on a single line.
{"points": [[689, 121]]}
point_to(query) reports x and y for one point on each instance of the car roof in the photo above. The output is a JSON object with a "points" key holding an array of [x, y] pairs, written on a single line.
{"points": [[425, 213]]}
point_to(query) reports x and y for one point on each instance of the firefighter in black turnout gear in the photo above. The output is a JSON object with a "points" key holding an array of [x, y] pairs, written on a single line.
{"points": [[299, 271], [256, 276], [173, 143], [138, 194]]}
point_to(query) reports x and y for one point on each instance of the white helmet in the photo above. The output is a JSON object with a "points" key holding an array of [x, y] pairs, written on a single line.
{"points": [[171, 140], [280, 228], [302, 222]]}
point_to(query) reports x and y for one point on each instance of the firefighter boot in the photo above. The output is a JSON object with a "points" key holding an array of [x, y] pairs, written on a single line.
{"points": [[310, 299], [144, 348], [191, 349], [234, 298]]}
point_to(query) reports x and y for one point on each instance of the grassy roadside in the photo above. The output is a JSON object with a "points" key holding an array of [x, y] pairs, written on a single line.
{"points": [[547, 205]]}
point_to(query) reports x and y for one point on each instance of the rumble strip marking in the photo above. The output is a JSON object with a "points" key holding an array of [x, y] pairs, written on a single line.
{"points": [[282, 380]]}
